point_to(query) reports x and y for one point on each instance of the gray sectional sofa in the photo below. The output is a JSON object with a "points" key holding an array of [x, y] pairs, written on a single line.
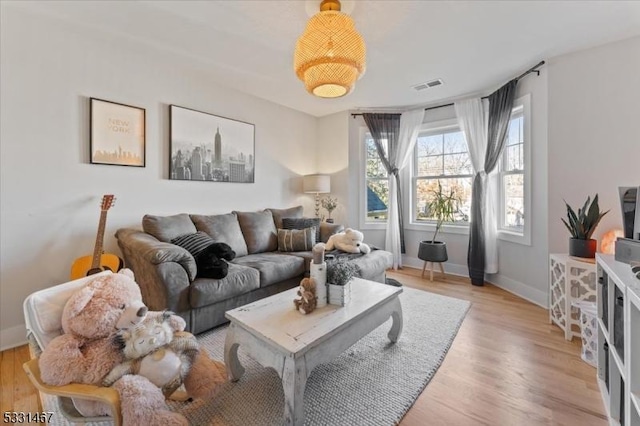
{"points": [[167, 273]]}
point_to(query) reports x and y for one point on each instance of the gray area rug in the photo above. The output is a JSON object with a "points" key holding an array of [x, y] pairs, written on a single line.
{"points": [[372, 383]]}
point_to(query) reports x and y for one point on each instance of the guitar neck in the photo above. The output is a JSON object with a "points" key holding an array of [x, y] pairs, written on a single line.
{"points": [[97, 250]]}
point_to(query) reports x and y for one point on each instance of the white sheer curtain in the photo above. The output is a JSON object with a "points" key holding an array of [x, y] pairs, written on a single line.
{"points": [[410, 123], [473, 120]]}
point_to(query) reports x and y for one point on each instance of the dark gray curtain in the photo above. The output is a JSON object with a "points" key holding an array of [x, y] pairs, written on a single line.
{"points": [[387, 126], [500, 106]]}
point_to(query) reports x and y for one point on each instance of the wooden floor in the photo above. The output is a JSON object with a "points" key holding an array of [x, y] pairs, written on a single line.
{"points": [[507, 366]]}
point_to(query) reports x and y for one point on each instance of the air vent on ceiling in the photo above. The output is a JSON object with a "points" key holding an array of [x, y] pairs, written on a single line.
{"points": [[428, 85]]}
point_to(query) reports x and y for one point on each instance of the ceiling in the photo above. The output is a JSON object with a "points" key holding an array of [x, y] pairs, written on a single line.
{"points": [[473, 46]]}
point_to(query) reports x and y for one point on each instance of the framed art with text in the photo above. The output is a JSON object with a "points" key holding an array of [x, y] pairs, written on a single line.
{"points": [[117, 134], [207, 147]]}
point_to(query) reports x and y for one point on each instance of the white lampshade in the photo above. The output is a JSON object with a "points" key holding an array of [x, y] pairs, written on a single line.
{"points": [[317, 184]]}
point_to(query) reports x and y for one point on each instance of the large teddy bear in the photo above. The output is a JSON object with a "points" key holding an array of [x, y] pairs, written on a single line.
{"points": [[85, 352], [350, 241]]}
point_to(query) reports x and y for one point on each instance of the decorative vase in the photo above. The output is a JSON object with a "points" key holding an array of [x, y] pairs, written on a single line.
{"points": [[319, 273], [433, 251], [339, 295], [582, 248]]}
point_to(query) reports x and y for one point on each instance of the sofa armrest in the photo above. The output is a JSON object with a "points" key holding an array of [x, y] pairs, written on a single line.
{"points": [[155, 251], [163, 271], [328, 229]]}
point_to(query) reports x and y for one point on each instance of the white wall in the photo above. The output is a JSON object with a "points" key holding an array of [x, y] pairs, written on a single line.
{"points": [[594, 132], [49, 197], [332, 154]]}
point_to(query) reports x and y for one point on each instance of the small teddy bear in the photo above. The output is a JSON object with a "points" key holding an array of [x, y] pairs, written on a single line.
{"points": [[349, 241], [307, 301], [152, 350]]}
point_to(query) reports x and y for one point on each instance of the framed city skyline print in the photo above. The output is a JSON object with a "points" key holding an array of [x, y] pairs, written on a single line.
{"points": [[210, 148], [117, 133]]}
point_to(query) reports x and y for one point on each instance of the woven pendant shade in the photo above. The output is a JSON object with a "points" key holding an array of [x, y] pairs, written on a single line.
{"points": [[330, 55]]}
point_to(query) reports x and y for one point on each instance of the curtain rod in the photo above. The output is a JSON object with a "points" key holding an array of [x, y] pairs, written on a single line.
{"points": [[529, 71]]}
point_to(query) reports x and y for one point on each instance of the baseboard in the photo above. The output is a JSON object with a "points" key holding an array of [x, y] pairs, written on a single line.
{"points": [[449, 268], [518, 288], [12, 337]]}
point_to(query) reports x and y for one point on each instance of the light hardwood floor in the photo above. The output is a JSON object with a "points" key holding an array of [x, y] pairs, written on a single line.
{"points": [[507, 366]]}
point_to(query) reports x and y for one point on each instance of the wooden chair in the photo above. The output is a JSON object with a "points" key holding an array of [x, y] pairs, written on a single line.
{"points": [[43, 318]]}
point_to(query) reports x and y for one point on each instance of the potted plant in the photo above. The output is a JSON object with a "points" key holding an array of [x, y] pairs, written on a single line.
{"points": [[339, 275], [442, 207], [581, 226], [329, 205]]}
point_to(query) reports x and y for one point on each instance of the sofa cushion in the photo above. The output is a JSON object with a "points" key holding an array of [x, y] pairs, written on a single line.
{"points": [[279, 214], [166, 228], [259, 231], [296, 239], [223, 228], [302, 223], [273, 267], [307, 256], [239, 280]]}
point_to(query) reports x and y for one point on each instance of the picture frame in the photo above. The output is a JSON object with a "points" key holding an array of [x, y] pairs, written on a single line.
{"points": [[117, 133], [210, 148]]}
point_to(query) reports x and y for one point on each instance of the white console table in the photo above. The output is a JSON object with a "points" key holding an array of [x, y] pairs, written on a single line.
{"points": [[619, 340], [570, 280]]}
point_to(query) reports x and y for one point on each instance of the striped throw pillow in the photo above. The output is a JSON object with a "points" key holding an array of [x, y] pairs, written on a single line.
{"points": [[302, 223], [193, 243], [296, 239]]}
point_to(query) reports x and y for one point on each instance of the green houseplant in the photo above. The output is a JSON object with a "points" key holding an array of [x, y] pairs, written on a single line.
{"points": [[442, 207], [581, 226]]}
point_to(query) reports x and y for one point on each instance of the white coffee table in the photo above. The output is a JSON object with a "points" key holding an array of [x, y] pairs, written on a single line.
{"points": [[273, 333]]}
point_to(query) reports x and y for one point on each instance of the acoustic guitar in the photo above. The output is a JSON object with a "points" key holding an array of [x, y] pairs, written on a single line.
{"points": [[89, 265]]}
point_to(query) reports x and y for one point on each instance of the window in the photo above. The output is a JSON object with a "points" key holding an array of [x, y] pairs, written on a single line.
{"points": [[514, 219], [441, 157], [377, 183]]}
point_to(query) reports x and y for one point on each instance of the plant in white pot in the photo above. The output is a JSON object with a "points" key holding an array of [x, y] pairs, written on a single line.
{"points": [[442, 207], [339, 275], [581, 226]]}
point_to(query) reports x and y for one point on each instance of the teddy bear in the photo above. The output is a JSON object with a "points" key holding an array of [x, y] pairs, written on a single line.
{"points": [[350, 241], [153, 350], [211, 262], [307, 301], [85, 353]]}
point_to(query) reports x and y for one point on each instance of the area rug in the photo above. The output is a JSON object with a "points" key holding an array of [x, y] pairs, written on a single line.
{"points": [[372, 383]]}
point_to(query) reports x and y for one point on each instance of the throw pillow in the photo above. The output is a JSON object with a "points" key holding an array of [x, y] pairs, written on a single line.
{"points": [[296, 239], [302, 223], [193, 243]]}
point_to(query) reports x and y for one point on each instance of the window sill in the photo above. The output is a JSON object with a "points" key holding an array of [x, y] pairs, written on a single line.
{"points": [[373, 226], [514, 237], [446, 229]]}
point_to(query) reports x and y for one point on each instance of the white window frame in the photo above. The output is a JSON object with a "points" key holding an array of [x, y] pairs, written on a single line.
{"points": [[364, 223], [510, 234], [410, 188]]}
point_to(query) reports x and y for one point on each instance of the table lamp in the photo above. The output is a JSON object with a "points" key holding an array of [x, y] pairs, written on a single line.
{"points": [[316, 184]]}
